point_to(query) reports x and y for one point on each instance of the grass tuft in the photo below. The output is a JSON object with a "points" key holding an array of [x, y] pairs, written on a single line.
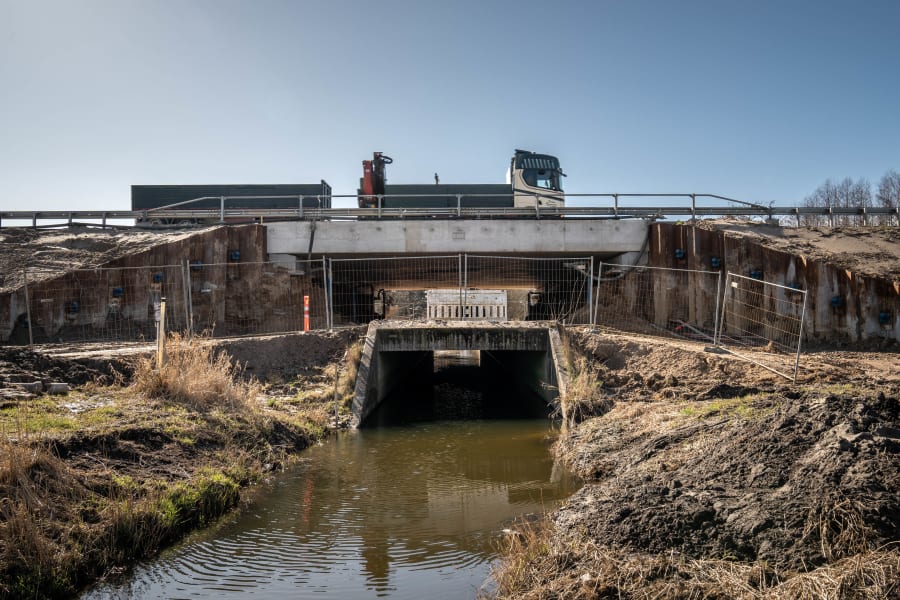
{"points": [[196, 376]]}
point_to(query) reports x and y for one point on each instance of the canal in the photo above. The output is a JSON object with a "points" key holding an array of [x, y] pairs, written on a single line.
{"points": [[411, 510]]}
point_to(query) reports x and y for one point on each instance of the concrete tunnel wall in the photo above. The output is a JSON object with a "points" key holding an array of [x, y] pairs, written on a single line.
{"points": [[393, 350]]}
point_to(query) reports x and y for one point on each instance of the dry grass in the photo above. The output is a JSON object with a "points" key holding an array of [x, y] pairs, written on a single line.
{"points": [[196, 376], [537, 565], [585, 396], [30, 475]]}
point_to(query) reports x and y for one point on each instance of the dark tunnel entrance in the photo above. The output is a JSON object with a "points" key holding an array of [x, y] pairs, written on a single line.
{"points": [[464, 385]]}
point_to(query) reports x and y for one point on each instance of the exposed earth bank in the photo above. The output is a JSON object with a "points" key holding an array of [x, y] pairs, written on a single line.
{"points": [[708, 476], [133, 458]]}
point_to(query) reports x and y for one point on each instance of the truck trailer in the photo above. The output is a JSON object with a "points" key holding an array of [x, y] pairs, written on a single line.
{"points": [[238, 196]]}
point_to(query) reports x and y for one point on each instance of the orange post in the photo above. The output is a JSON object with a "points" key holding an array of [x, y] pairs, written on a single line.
{"points": [[305, 313]]}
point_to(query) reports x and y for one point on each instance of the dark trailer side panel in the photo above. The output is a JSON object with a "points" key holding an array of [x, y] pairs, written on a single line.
{"points": [[315, 195], [474, 195]]}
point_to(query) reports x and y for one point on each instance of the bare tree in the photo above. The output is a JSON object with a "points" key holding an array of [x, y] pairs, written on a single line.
{"points": [[843, 194], [888, 194]]}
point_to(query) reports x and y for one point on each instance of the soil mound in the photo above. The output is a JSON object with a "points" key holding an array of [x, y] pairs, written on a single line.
{"points": [[716, 460]]}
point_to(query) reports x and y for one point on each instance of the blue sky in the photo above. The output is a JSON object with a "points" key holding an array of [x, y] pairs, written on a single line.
{"points": [[758, 100]]}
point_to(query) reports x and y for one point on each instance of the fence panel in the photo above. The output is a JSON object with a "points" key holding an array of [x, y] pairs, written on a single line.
{"points": [[242, 298], [388, 288], [119, 304], [658, 300], [537, 289], [763, 322]]}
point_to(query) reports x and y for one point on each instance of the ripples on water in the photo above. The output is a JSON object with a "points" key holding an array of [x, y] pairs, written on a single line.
{"points": [[409, 512]]}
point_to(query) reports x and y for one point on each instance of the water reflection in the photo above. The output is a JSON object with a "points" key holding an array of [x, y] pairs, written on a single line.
{"points": [[400, 512]]}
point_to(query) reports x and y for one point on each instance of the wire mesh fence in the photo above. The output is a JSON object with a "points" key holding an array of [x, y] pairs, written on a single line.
{"points": [[763, 322], [657, 300], [538, 289], [388, 288], [241, 298], [103, 304]]}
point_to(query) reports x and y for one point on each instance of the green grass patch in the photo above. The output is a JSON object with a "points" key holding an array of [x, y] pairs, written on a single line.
{"points": [[743, 407]]}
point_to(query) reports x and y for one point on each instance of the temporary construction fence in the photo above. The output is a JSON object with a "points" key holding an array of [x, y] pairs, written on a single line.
{"points": [[236, 298], [397, 288], [96, 304], [658, 301], [241, 298], [763, 322]]}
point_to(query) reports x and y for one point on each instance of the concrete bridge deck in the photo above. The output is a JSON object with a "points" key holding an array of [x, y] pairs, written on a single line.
{"points": [[546, 237]]}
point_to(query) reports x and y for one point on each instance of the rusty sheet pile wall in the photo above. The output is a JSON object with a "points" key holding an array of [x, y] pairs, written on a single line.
{"points": [[842, 306], [658, 300]]}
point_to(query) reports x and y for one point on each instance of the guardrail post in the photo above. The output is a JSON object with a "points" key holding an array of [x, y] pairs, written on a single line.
{"points": [[28, 309], [221, 209], [693, 209], [537, 206], [616, 205], [300, 206], [378, 199], [458, 205]]}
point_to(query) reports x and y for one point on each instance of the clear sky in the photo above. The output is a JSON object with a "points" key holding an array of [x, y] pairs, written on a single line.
{"points": [[755, 99]]}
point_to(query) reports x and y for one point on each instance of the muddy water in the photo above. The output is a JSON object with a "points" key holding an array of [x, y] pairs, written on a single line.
{"points": [[402, 512]]}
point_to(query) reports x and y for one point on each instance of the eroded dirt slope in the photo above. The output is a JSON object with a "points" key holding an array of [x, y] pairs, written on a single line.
{"points": [[713, 457]]}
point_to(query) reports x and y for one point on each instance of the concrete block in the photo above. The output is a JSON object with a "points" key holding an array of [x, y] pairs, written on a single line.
{"points": [[58, 389], [35, 387]]}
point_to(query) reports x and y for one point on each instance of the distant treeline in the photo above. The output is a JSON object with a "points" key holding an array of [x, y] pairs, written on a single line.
{"points": [[855, 194]]}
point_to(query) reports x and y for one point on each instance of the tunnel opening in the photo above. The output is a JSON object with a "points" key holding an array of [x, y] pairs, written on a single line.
{"points": [[460, 385]]}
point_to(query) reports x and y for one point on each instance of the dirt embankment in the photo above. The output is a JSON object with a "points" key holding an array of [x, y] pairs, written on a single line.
{"points": [[60, 250], [133, 458], [710, 477], [873, 251]]}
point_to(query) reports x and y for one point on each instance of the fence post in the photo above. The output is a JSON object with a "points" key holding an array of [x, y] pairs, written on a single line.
{"points": [[597, 297], [465, 285], [186, 298], [800, 336], [716, 323], [325, 289], [459, 276], [722, 313], [590, 298], [28, 308], [161, 335]]}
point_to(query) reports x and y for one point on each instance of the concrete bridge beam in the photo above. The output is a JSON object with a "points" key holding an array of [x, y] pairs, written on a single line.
{"points": [[545, 237]]}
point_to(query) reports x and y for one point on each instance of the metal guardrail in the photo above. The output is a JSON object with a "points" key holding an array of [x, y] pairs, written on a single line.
{"points": [[175, 213]]}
